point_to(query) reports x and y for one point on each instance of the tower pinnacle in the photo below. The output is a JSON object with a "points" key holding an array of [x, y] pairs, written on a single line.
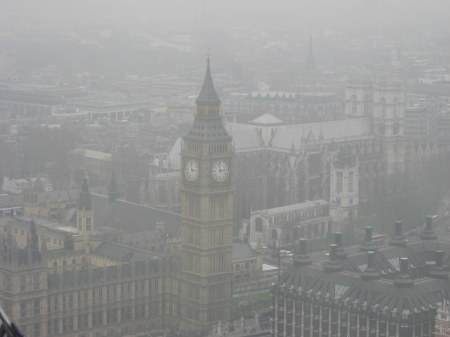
{"points": [[208, 94], [84, 202]]}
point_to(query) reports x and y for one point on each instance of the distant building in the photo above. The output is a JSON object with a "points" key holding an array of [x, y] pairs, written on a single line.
{"points": [[290, 107], [286, 224], [421, 122], [379, 291]]}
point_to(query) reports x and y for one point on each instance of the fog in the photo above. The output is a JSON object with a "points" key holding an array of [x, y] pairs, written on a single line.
{"points": [[239, 168]]}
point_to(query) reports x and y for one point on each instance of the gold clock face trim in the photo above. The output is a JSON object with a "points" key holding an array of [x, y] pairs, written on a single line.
{"points": [[191, 170], [220, 171]]}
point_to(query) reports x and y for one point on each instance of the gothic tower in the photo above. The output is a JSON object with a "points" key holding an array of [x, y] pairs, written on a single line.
{"points": [[388, 116], [85, 216], [207, 187], [359, 97]]}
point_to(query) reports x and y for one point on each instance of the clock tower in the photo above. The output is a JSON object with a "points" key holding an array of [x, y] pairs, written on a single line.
{"points": [[207, 176]]}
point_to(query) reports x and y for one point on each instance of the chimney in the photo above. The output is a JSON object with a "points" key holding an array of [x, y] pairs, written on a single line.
{"points": [[371, 272], [367, 244], [341, 253], [403, 278], [369, 232], [398, 239], [301, 257], [333, 263], [428, 232], [439, 270]]}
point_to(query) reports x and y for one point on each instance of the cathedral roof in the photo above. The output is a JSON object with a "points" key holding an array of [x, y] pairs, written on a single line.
{"points": [[297, 134], [208, 94]]}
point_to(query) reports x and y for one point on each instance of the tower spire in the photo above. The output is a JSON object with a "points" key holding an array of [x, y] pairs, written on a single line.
{"points": [[84, 202], [310, 59], [208, 94]]}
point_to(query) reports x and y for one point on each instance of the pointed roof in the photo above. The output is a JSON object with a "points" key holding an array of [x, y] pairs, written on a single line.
{"points": [[208, 94], [84, 203], [266, 119]]}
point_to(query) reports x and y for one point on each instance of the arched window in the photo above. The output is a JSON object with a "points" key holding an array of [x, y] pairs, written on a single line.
{"points": [[383, 106], [395, 107], [366, 105], [396, 129], [274, 234], [354, 105], [258, 225]]}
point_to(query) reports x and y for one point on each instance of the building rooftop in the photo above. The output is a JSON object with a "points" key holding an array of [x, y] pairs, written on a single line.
{"points": [[293, 207], [266, 119]]}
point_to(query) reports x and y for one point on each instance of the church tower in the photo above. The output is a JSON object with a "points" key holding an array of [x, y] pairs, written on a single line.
{"points": [[207, 187], [85, 216], [388, 120]]}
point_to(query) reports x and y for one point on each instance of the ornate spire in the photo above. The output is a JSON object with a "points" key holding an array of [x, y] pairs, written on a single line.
{"points": [[208, 94], [310, 59], [85, 198]]}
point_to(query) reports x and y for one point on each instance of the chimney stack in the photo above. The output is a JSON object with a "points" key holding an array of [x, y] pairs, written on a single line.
{"points": [[439, 270], [333, 263], [398, 240], [301, 257], [341, 253], [403, 278], [371, 272], [367, 244], [428, 232]]}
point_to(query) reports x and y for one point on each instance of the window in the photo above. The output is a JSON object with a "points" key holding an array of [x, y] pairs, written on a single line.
{"points": [[354, 105], [37, 330], [37, 307], [258, 225], [395, 107], [23, 309], [23, 283], [383, 106], [36, 281], [350, 181], [338, 182], [367, 105]]}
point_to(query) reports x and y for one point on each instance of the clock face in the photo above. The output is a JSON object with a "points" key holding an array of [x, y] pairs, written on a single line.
{"points": [[191, 170], [220, 171]]}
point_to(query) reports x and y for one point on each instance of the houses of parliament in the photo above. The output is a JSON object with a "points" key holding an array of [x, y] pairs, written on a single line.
{"points": [[77, 281], [60, 280]]}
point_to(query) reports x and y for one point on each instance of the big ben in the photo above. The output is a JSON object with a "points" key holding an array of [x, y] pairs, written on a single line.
{"points": [[207, 176]]}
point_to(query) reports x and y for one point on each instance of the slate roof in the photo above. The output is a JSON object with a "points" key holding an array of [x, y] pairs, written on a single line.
{"points": [[58, 196], [10, 200], [242, 251], [131, 216], [392, 290], [339, 130], [245, 137], [350, 286], [123, 253], [208, 94]]}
